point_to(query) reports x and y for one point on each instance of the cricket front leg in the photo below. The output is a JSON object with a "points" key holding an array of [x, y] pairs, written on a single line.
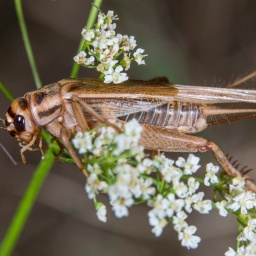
{"points": [[29, 147], [163, 139], [65, 139], [64, 135]]}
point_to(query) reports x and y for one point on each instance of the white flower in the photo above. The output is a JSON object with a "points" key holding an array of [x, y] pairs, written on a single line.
{"points": [[115, 76], [250, 249], [176, 205], [188, 239], [221, 207], [241, 251], [106, 136], [119, 206], [181, 189], [169, 172], [190, 166], [145, 166], [203, 206], [101, 212], [146, 191], [110, 16], [127, 61], [122, 144], [94, 168], [188, 203], [120, 210], [82, 142], [193, 185], [238, 184], [158, 229], [101, 18], [157, 222], [159, 204], [123, 180], [94, 185], [88, 34], [230, 252], [81, 59], [133, 130], [139, 57], [179, 221], [244, 200], [128, 43], [210, 175], [198, 204], [108, 54], [249, 231]]}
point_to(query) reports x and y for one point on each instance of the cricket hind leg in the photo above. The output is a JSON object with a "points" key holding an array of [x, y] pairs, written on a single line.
{"points": [[163, 139]]}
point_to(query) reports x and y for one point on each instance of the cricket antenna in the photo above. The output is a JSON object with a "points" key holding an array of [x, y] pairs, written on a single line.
{"points": [[8, 154], [242, 80]]}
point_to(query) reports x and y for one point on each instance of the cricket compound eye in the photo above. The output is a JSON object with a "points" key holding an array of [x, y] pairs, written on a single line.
{"points": [[19, 123]]}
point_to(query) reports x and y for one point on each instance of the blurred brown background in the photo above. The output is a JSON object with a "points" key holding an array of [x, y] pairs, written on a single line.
{"points": [[202, 42]]}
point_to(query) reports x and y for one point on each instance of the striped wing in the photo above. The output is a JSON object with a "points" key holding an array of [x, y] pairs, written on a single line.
{"points": [[115, 100]]}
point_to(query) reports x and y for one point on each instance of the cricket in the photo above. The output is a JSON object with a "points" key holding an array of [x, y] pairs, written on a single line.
{"points": [[170, 114]]}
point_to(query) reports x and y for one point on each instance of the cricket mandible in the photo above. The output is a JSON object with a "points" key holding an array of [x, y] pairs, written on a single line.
{"points": [[168, 113]]}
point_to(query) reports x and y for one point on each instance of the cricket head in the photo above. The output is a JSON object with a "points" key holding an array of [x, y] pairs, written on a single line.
{"points": [[19, 122]]}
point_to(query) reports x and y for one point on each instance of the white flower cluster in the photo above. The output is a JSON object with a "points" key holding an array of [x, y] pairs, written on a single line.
{"points": [[180, 197], [246, 241], [118, 166], [109, 170], [103, 48], [236, 198]]}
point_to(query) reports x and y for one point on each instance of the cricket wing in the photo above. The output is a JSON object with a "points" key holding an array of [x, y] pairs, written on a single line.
{"points": [[115, 100], [209, 95]]}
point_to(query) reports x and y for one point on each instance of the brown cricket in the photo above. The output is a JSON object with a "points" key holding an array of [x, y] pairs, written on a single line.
{"points": [[167, 112]]}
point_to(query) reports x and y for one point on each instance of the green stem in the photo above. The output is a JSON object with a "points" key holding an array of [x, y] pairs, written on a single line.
{"points": [[26, 41], [6, 92], [26, 204], [89, 24]]}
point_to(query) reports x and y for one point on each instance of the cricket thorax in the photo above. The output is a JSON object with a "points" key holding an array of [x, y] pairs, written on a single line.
{"points": [[183, 116], [45, 104]]}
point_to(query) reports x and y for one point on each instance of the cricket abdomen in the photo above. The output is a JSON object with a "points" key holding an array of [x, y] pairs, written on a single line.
{"points": [[183, 116]]}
